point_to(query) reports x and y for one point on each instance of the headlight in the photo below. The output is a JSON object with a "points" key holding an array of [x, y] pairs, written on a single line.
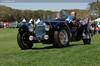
{"points": [[47, 27], [31, 27], [46, 37]]}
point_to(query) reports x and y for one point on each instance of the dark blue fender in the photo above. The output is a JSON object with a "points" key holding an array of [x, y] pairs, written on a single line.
{"points": [[23, 27]]}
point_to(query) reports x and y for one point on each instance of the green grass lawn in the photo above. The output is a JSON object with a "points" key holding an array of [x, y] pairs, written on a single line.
{"points": [[76, 54]]}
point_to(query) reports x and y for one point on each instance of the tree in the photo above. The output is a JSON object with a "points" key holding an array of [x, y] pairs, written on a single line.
{"points": [[95, 9]]}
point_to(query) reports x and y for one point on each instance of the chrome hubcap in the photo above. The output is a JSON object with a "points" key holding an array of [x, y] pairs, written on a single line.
{"points": [[63, 37]]}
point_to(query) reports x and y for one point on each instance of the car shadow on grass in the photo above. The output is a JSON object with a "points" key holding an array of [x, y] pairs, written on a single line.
{"points": [[51, 47], [71, 45], [46, 47]]}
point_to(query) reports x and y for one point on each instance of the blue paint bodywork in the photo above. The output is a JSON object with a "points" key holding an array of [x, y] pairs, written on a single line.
{"points": [[39, 30]]}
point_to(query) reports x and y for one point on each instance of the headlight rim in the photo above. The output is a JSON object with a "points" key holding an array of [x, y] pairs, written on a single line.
{"points": [[31, 27], [47, 27]]}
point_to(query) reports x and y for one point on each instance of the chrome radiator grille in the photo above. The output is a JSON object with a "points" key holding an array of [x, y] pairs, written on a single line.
{"points": [[40, 31]]}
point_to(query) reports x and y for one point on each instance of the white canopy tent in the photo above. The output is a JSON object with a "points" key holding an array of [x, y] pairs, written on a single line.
{"points": [[23, 20], [98, 20], [31, 20], [38, 20]]}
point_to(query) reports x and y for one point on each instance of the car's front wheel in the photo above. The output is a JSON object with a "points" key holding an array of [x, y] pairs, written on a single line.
{"points": [[23, 41]]}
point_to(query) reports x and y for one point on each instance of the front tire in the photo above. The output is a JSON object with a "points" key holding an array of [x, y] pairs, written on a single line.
{"points": [[23, 41], [61, 38]]}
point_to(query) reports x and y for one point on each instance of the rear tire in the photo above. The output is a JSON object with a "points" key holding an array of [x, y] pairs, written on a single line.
{"points": [[87, 41], [87, 35], [23, 41], [61, 40]]}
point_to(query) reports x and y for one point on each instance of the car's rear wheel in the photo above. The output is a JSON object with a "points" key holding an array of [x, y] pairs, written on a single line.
{"points": [[87, 35], [87, 41], [87, 38], [61, 38], [23, 41]]}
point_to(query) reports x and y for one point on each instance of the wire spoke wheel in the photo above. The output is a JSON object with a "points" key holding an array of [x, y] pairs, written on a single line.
{"points": [[63, 37]]}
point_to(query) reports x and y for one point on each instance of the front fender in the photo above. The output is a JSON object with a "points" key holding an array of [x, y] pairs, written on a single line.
{"points": [[65, 26], [23, 27], [61, 25]]}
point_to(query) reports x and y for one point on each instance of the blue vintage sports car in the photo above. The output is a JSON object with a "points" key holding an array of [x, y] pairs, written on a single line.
{"points": [[55, 31]]}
